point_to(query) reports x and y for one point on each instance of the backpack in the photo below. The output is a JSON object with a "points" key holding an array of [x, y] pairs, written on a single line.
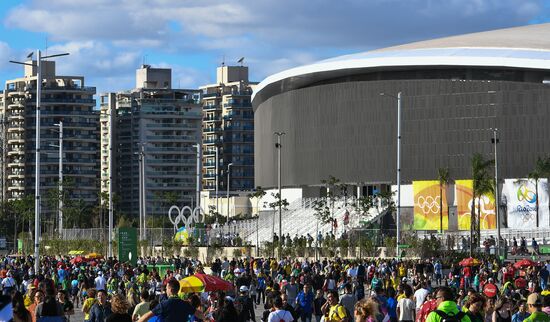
{"points": [[450, 318], [239, 305]]}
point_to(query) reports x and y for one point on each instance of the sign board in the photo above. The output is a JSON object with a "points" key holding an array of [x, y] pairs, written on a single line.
{"points": [[522, 197], [127, 245], [490, 290], [427, 200]]}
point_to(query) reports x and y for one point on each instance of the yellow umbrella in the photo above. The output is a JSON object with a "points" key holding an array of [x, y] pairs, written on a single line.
{"points": [[94, 255], [191, 284]]}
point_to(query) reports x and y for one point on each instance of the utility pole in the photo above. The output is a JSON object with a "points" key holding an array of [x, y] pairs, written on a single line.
{"points": [[279, 167], [60, 199]]}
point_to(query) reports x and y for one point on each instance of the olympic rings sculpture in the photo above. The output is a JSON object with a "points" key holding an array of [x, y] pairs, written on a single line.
{"points": [[195, 216]]}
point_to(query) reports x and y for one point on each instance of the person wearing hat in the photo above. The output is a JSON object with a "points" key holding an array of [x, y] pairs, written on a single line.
{"points": [[244, 305], [534, 304]]}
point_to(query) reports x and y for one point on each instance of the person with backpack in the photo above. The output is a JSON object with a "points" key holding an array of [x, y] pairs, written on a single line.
{"points": [[534, 304], [279, 315], [244, 305], [333, 310], [447, 309]]}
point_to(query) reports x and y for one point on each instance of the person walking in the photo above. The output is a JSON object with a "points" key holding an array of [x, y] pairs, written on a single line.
{"points": [[102, 309], [534, 304], [304, 303], [119, 307], [446, 307], [279, 315]]}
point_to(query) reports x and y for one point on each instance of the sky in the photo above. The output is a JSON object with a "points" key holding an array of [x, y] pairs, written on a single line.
{"points": [[109, 39]]}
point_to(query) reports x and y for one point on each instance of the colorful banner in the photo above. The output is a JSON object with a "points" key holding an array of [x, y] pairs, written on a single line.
{"points": [[426, 206], [463, 193], [521, 202]]}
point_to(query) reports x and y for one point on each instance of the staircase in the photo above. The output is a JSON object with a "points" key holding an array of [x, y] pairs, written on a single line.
{"points": [[299, 219]]}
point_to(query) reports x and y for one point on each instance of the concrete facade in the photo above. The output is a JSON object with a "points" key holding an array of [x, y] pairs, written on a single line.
{"points": [[161, 125]]}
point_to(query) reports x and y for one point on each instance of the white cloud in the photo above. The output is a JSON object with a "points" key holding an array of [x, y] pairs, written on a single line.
{"points": [[107, 38]]}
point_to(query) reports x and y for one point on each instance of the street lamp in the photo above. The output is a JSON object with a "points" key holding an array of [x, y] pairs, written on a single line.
{"points": [[228, 177], [217, 184], [142, 192], [398, 215], [60, 199], [38, 66], [494, 140], [198, 146], [278, 147]]}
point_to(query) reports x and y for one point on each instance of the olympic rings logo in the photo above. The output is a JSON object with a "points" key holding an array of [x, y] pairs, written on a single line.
{"points": [[524, 194], [428, 204], [195, 216]]}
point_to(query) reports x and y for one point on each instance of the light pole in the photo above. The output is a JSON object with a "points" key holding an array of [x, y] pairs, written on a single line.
{"points": [[38, 66], [111, 119], [497, 212], [228, 177], [60, 200], [198, 189], [398, 215], [217, 175], [142, 234], [278, 146]]}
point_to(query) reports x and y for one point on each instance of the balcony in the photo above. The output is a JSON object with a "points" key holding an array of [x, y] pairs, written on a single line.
{"points": [[211, 107], [68, 101], [239, 128], [89, 89], [211, 129]]}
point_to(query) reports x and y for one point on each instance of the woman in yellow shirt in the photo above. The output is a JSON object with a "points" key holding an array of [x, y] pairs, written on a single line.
{"points": [[88, 303]]}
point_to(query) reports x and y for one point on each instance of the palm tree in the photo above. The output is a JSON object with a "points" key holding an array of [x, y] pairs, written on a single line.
{"points": [[443, 175], [481, 185]]}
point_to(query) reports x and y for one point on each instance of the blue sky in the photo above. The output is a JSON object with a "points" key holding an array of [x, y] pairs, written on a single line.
{"points": [[109, 39]]}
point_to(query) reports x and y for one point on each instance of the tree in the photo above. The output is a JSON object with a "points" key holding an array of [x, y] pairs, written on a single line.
{"points": [[283, 203], [480, 178], [542, 169], [443, 177], [258, 194], [363, 205]]}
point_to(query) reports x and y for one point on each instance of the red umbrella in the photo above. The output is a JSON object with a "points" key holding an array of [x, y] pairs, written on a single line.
{"points": [[470, 261], [204, 283], [524, 263]]}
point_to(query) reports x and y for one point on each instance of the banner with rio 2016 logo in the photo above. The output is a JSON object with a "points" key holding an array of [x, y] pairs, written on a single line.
{"points": [[484, 206], [521, 202], [427, 205]]}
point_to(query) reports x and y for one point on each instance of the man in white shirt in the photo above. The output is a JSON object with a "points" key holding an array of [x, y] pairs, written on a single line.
{"points": [[8, 284], [279, 314], [420, 296], [100, 281]]}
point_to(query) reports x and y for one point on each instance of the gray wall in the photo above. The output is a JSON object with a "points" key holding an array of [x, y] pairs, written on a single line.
{"points": [[348, 130]]}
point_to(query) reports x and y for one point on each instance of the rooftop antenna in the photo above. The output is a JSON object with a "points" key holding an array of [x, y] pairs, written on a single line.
{"points": [[223, 60], [46, 50], [241, 60], [144, 59]]}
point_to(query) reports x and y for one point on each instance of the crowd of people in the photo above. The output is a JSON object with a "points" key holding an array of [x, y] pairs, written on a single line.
{"points": [[373, 290]]}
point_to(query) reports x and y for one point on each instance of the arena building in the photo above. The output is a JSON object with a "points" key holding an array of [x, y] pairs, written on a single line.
{"points": [[455, 91]]}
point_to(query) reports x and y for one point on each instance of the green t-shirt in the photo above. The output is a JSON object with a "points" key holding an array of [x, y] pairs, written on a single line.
{"points": [[537, 316]]}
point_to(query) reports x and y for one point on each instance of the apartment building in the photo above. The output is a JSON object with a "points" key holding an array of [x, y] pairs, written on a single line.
{"points": [[159, 126], [228, 128], [65, 99]]}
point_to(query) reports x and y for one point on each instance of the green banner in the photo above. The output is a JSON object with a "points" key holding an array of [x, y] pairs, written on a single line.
{"points": [[127, 245]]}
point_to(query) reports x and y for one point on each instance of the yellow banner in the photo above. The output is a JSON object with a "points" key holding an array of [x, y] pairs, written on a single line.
{"points": [[486, 203], [426, 205]]}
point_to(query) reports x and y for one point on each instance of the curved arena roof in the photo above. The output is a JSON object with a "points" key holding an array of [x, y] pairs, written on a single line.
{"points": [[526, 47]]}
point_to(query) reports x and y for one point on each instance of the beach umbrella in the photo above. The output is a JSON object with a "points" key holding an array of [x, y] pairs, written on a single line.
{"points": [[524, 263], [470, 261], [204, 283]]}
